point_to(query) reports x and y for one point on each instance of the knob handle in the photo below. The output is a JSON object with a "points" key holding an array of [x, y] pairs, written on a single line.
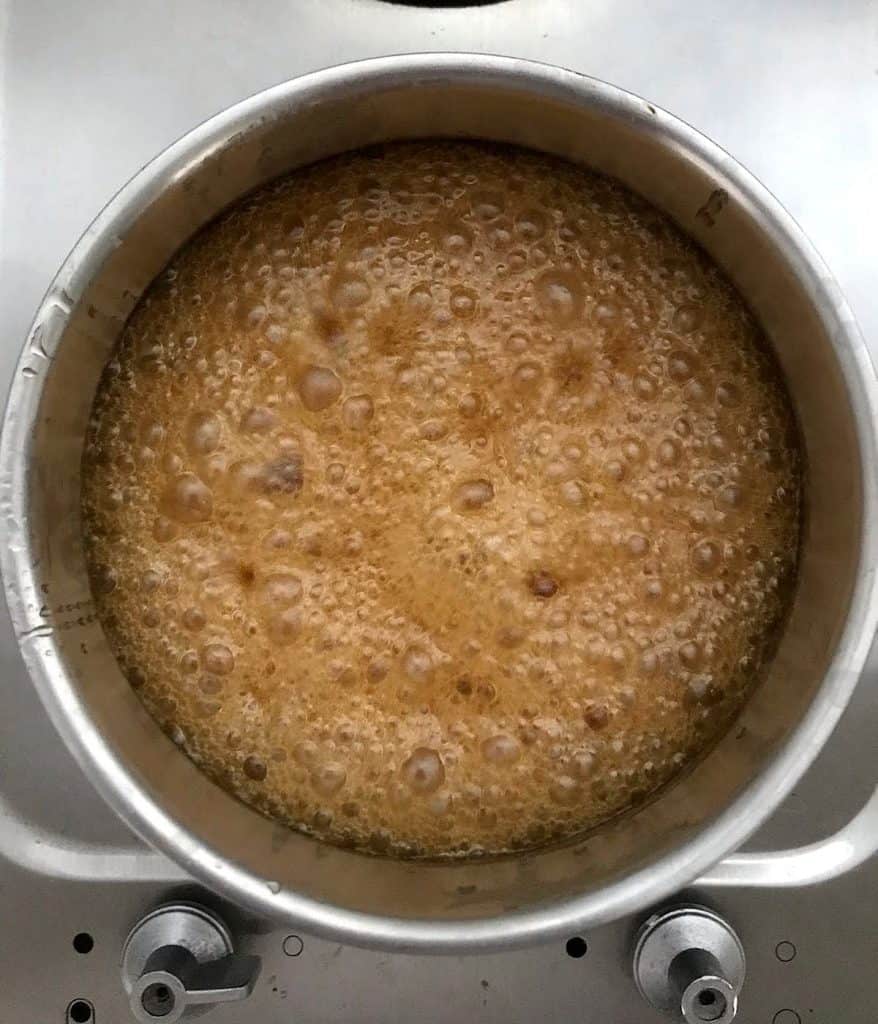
{"points": [[179, 960], [689, 963]]}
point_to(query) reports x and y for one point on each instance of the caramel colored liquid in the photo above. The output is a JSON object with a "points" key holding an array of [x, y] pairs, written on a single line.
{"points": [[442, 499]]}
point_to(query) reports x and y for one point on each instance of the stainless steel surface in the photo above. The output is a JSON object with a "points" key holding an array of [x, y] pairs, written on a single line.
{"points": [[690, 964], [179, 961], [373, 901], [88, 93]]}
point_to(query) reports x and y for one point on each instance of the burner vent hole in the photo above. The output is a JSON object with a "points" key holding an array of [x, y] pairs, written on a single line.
{"points": [[576, 947], [83, 942], [80, 1011], [157, 1000], [710, 1005], [445, 3]]}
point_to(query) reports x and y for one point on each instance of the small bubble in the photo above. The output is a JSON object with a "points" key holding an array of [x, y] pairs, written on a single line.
{"points": [[189, 662], [358, 411], [686, 319], [377, 670], [306, 752], [424, 771], [328, 778], [255, 769], [649, 662], [530, 224], [276, 334], [706, 557], [163, 529], [217, 659], [349, 292], [669, 452], [690, 654], [727, 394], [644, 387], [518, 342], [564, 789], [637, 545], [457, 242], [188, 500], [527, 375], [501, 749], [463, 303], [420, 297], [615, 470], [283, 588], [194, 619], [694, 392], [681, 366], [717, 445], [258, 420], [560, 295], [335, 472], [469, 405], [319, 388], [281, 476], [417, 664], [285, 626], [542, 584], [432, 430], [277, 539], [597, 717], [633, 449], [487, 206], [730, 496], [571, 493], [473, 495], [203, 431]]}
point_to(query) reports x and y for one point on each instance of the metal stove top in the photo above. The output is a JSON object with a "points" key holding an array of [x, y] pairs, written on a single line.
{"points": [[92, 89]]}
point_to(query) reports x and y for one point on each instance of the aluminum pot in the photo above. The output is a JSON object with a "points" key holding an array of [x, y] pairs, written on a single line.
{"points": [[636, 861]]}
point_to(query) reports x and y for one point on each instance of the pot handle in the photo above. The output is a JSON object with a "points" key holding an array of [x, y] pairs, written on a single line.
{"points": [[47, 854], [804, 865]]}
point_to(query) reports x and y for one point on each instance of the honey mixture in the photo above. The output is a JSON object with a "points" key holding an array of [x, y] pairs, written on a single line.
{"points": [[442, 499]]}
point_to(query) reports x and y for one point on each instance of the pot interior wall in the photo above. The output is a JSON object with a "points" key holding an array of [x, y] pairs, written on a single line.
{"points": [[637, 145]]}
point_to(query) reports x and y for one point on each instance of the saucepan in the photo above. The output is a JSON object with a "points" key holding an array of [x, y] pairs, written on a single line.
{"points": [[633, 863]]}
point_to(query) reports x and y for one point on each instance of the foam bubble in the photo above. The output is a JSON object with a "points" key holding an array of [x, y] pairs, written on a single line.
{"points": [[499, 505]]}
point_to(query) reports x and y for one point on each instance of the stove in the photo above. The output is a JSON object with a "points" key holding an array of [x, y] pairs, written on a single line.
{"points": [[91, 91]]}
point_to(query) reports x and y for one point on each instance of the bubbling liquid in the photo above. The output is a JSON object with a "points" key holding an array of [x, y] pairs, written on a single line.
{"points": [[442, 499]]}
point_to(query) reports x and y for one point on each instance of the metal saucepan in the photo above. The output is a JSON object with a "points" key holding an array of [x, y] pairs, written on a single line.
{"points": [[634, 862]]}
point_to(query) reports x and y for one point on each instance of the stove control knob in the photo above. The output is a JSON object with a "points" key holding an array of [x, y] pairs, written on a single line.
{"points": [[689, 963], [179, 960]]}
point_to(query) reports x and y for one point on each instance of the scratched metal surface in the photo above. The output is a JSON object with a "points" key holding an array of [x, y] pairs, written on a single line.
{"points": [[92, 89]]}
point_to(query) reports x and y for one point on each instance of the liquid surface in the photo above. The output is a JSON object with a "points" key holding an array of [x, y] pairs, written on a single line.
{"points": [[442, 499]]}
